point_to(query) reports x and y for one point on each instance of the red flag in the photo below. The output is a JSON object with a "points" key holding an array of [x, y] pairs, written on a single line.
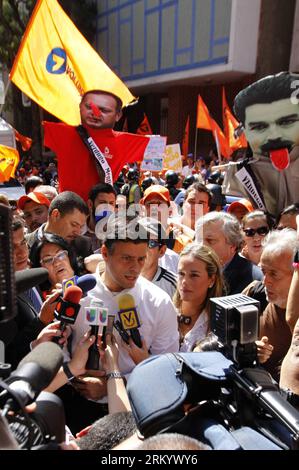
{"points": [[25, 142], [125, 126], [185, 143], [9, 159], [230, 124], [76, 167], [205, 121], [144, 127]]}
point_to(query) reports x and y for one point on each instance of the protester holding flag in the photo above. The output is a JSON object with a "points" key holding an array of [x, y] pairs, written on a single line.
{"points": [[55, 66]]}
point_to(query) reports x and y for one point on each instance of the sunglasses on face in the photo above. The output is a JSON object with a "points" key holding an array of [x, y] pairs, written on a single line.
{"points": [[154, 244], [48, 260], [250, 232]]}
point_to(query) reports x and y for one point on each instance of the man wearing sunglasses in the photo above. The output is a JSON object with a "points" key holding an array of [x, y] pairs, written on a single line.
{"points": [[151, 270]]}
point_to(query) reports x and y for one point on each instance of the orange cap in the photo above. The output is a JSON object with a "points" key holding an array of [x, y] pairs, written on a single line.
{"points": [[156, 191], [241, 203], [34, 196]]}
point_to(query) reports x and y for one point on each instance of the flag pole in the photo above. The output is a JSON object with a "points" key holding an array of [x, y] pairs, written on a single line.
{"points": [[195, 145]]}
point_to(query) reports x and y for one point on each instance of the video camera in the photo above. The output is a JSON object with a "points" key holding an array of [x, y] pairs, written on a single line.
{"points": [[232, 402], [46, 425]]}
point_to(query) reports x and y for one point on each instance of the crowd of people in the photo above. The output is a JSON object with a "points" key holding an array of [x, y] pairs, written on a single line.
{"points": [[171, 242]]}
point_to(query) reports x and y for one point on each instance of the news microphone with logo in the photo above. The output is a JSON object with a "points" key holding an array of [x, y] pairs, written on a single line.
{"points": [[68, 307], [129, 318], [96, 316], [86, 283], [34, 373]]}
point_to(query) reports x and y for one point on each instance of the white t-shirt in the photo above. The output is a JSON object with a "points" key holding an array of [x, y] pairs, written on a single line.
{"points": [[169, 261], [186, 171], [156, 312]]}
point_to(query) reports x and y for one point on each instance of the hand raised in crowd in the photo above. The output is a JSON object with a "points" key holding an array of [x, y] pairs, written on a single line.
{"points": [[264, 349], [137, 354], [46, 314], [91, 384], [49, 332], [110, 355], [78, 362]]}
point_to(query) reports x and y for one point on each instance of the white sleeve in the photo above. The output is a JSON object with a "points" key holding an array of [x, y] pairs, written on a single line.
{"points": [[165, 334]]}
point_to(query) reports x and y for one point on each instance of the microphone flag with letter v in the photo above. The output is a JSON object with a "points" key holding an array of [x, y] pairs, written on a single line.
{"points": [[127, 313]]}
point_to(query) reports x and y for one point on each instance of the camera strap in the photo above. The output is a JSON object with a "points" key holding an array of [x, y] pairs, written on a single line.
{"points": [[94, 150]]}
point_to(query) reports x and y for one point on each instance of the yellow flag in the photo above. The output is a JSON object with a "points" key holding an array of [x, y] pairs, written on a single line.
{"points": [[9, 159], [55, 65]]}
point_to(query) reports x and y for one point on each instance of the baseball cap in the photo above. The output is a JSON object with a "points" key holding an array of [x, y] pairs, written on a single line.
{"points": [[34, 196], [241, 203], [156, 191]]}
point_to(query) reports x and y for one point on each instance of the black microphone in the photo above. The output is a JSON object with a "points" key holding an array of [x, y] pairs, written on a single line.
{"points": [[8, 304], [129, 318], [28, 278], [34, 373]]}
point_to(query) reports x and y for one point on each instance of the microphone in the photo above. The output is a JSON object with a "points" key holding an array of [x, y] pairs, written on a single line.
{"points": [[129, 318], [8, 304], [68, 307], [35, 372], [28, 278], [86, 283], [96, 316]]}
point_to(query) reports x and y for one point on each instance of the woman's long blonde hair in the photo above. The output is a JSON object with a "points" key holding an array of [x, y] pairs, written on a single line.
{"points": [[208, 256]]}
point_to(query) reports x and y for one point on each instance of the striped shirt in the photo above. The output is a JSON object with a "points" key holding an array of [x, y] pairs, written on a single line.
{"points": [[166, 280]]}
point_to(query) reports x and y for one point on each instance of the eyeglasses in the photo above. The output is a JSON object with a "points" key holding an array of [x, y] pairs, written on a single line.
{"points": [[154, 244], [60, 256], [250, 232]]}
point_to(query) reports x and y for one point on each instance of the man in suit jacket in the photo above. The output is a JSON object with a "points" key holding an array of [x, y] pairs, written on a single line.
{"points": [[67, 218], [222, 232]]}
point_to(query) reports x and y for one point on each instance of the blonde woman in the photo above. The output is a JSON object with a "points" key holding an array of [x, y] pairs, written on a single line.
{"points": [[199, 279]]}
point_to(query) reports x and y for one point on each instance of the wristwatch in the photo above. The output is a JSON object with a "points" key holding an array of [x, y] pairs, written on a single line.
{"points": [[67, 371], [114, 375]]}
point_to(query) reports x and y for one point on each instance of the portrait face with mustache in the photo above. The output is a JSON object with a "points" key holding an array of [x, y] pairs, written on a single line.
{"points": [[272, 126]]}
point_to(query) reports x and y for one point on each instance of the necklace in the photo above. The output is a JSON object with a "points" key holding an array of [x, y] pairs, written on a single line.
{"points": [[184, 319]]}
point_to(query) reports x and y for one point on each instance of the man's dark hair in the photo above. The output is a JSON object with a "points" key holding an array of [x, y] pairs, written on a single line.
{"points": [[266, 90], [201, 188], [108, 431], [293, 209], [101, 188], [121, 231], [17, 223], [119, 103], [66, 202], [32, 183]]}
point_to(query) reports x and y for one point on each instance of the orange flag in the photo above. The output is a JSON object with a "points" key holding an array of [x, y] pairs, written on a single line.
{"points": [[125, 126], [205, 121], [25, 142], [9, 159], [144, 127], [185, 143], [230, 124]]}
